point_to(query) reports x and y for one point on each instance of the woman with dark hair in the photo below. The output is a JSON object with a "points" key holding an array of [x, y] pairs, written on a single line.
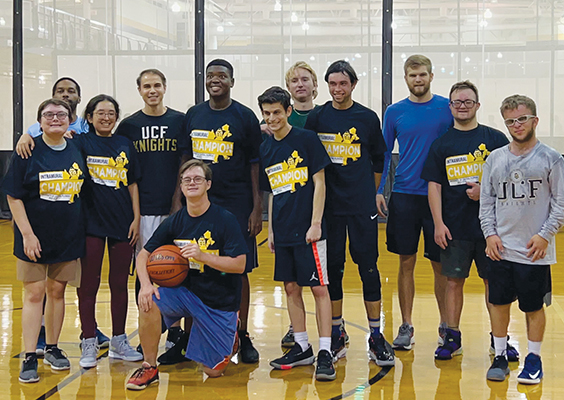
{"points": [[112, 217], [43, 195]]}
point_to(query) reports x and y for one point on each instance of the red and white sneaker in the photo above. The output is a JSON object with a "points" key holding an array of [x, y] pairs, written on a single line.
{"points": [[143, 377]]}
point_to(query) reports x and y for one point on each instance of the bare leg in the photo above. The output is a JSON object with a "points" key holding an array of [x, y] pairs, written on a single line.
{"points": [[296, 307], [487, 294], [406, 286], [32, 310], [150, 333], [500, 319], [536, 322], [440, 289], [54, 310], [454, 301], [322, 310]]}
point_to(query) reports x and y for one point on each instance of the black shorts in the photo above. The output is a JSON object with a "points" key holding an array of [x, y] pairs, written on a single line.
{"points": [[407, 215], [531, 284], [305, 264], [456, 259]]}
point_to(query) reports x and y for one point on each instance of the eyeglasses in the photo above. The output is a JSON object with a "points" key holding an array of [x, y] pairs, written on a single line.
{"points": [[522, 120], [458, 103], [50, 115], [102, 114], [197, 180]]}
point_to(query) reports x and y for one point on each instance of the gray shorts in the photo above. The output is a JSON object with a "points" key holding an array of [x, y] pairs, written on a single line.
{"points": [[457, 258]]}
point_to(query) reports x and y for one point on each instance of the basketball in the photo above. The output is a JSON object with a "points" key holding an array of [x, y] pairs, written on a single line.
{"points": [[167, 267]]}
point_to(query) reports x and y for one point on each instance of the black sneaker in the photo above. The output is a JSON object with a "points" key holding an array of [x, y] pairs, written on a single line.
{"points": [[57, 359], [381, 351], [28, 374], [511, 352], [499, 369], [288, 340], [173, 336], [338, 345], [249, 355], [294, 357], [176, 354], [325, 371]]}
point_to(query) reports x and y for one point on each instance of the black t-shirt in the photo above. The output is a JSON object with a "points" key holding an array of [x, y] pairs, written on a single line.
{"points": [[49, 183], [228, 141], [112, 165], [155, 139], [455, 158], [287, 168], [353, 139], [217, 232]]}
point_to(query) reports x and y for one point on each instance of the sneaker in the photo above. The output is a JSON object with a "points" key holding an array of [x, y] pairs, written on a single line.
{"points": [[139, 349], [103, 340], [511, 352], [122, 350], [404, 340], [249, 355], [288, 340], [89, 356], [176, 354], [532, 370], [143, 377], [40, 347], [324, 371], [347, 339], [173, 336], [380, 351], [442, 333], [294, 357], [28, 374], [57, 359], [452, 346], [499, 369], [338, 345]]}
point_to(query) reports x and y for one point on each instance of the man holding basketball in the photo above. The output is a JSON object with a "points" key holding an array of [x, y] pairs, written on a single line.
{"points": [[210, 295]]}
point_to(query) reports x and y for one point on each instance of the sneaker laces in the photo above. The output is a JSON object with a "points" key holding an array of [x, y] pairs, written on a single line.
{"points": [[57, 353], [90, 347], [404, 329], [139, 372]]}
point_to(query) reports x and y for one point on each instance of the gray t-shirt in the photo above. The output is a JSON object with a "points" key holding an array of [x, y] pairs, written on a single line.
{"points": [[522, 196]]}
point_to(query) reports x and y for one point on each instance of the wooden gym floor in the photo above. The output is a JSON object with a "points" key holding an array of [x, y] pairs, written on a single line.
{"points": [[416, 374]]}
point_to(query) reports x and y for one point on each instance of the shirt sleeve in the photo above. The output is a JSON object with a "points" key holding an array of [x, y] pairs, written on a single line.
{"points": [[184, 139], [488, 197], [555, 218], [34, 130], [134, 170], [434, 166], [389, 138], [254, 139]]}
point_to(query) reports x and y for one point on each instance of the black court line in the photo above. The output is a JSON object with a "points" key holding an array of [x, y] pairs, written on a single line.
{"points": [[66, 304], [263, 242]]}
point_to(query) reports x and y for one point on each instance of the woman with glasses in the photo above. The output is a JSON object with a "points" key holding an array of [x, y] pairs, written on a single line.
{"points": [[44, 197]]}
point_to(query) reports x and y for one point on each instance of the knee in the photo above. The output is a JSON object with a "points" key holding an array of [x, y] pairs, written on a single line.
{"points": [[292, 289], [214, 373], [455, 283], [320, 292], [35, 295], [56, 290]]}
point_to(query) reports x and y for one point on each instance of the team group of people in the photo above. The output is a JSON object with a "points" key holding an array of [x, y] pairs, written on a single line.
{"points": [[196, 180]]}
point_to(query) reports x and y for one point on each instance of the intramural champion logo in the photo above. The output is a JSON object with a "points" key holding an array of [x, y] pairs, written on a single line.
{"points": [[204, 242], [108, 171], [284, 176], [209, 145], [466, 167], [61, 185], [341, 147]]}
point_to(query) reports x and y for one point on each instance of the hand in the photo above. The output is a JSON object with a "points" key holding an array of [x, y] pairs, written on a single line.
{"points": [[133, 234], [191, 250], [24, 146], [442, 233], [473, 191], [271, 241], [69, 134], [255, 222], [494, 248], [265, 129], [537, 247], [381, 205], [32, 247], [313, 234], [145, 298]]}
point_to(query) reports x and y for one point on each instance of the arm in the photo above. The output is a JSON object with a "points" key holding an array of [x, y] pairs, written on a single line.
{"points": [[32, 247], [255, 219], [133, 234], [147, 290], [442, 233], [25, 145], [314, 232], [230, 265], [488, 222], [388, 135], [270, 231]]}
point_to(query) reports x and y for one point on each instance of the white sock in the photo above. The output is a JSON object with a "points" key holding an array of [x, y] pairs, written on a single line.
{"points": [[302, 339], [325, 343], [43, 321], [534, 347], [500, 344]]}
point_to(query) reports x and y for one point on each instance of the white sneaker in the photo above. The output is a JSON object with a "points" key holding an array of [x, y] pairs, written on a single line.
{"points": [[89, 356], [121, 349]]}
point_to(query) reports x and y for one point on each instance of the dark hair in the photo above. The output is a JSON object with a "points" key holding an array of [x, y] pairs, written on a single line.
{"points": [[513, 102], [193, 163], [65, 78], [462, 86], [55, 102], [274, 95], [343, 67], [222, 63], [91, 106], [153, 71]]}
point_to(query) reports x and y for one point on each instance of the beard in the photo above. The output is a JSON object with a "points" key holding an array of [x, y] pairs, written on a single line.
{"points": [[528, 136], [419, 91]]}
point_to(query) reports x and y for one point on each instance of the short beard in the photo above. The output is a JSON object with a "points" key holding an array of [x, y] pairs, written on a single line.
{"points": [[428, 88], [527, 138]]}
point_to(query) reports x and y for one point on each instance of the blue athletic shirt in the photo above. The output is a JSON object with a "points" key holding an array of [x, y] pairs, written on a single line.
{"points": [[287, 169], [155, 139], [49, 183], [415, 126], [228, 141], [112, 165], [455, 158], [353, 140], [79, 126], [217, 232]]}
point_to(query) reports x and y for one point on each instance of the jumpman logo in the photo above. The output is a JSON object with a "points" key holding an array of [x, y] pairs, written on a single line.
{"points": [[313, 277]]}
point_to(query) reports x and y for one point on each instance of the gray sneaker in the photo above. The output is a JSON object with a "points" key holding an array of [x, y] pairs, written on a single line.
{"points": [[121, 349], [442, 333], [89, 356], [57, 359], [499, 369], [404, 339], [28, 374]]}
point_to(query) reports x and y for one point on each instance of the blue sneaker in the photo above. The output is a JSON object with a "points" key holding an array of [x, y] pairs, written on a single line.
{"points": [[452, 345], [40, 347], [103, 340], [532, 371]]}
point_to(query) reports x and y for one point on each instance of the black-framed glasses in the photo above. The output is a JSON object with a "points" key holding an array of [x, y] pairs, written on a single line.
{"points": [[50, 115], [198, 180], [458, 103], [522, 120]]}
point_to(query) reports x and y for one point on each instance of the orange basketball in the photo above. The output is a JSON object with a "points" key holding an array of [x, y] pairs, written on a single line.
{"points": [[167, 267]]}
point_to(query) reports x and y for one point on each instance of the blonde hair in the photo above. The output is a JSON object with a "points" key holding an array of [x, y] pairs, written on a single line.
{"points": [[417, 60], [303, 65]]}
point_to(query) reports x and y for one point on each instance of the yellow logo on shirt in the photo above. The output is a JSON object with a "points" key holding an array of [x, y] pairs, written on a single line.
{"points": [[341, 147], [209, 145], [466, 167], [61, 185], [203, 242], [108, 172], [284, 176]]}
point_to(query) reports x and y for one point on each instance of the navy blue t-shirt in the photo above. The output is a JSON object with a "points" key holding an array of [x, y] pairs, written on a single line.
{"points": [[217, 232], [353, 139], [49, 183], [112, 165], [155, 139], [455, 158], [228, 141], [287, 168]]}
